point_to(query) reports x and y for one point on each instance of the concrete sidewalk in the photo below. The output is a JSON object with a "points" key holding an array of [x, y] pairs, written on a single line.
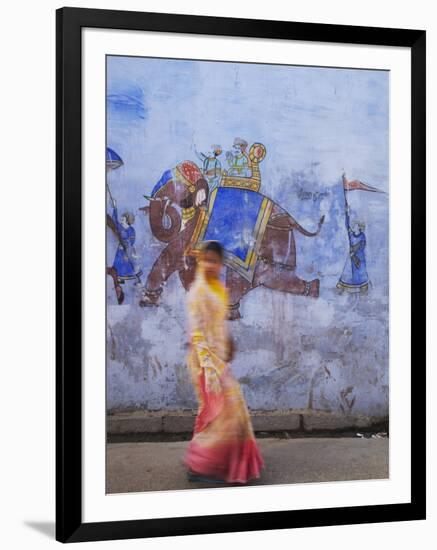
{"points": [[157, 466]]}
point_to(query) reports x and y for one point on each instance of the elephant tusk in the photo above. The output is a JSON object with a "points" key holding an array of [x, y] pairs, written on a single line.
{"points": [[168, 202]]}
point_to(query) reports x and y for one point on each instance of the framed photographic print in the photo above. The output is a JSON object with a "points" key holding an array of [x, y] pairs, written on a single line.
{"points": [[240, 274]]}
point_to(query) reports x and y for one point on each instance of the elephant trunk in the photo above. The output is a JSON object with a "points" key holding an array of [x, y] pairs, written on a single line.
{"points": [[165, 221]]}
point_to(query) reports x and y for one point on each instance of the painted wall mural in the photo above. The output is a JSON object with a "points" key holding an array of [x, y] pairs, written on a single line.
{"points": [[300, 203]]}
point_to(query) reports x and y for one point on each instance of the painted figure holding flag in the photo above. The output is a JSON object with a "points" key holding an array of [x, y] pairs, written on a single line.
{"points": [[354, 278]]}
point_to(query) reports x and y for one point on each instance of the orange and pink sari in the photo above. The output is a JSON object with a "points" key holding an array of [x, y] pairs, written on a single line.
{"points": [[223, 445]]}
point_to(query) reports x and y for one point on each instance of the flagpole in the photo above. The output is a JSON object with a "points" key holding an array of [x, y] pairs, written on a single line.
{"points": [[110, 194], [346, 204]]}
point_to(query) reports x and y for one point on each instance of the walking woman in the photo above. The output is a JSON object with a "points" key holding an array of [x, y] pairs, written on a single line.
{"points": [[223, 447]]}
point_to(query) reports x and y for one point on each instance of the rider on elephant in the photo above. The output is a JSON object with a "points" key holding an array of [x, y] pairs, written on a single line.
{"points": [[211, 166], [238, 159]]}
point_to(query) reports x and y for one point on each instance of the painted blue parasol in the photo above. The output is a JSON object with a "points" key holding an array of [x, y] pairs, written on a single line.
{"points": [[113, 160]]}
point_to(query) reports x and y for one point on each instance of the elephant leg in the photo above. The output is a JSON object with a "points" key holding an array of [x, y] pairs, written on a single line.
{"points": [[280, 277], [278, 245], [237, 287], [169, 261], [186, 274]]}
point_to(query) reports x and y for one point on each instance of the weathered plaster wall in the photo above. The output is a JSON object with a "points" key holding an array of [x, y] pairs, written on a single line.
{"points": [[329, 353], [293, 352]]}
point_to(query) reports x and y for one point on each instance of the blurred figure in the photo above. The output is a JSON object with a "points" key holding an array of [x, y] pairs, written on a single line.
{"points": [[223, 447]]}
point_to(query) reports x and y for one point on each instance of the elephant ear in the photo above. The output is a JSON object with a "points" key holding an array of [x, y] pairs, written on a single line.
{"points": [[165, 221]]}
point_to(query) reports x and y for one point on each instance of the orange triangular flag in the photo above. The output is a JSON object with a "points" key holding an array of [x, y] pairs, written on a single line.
{"points": [[353, 185]]}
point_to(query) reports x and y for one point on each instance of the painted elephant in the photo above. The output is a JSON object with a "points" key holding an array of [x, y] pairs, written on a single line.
{"points": [[176, 205]]}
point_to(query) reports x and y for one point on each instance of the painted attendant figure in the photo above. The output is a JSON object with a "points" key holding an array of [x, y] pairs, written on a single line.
{"points": [[125, 266], [354, 277]]}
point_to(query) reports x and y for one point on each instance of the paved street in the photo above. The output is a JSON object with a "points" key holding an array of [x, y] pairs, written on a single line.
{"points": [[152, 466]]}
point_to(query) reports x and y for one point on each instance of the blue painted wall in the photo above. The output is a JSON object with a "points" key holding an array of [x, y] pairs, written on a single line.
{"points": [[329, 353]]}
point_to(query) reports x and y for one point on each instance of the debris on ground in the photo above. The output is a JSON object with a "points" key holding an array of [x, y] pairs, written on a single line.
{"points": [[378, 435]]}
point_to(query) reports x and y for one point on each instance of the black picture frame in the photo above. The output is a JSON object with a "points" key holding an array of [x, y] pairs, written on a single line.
{"points": [[69, 525]]}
